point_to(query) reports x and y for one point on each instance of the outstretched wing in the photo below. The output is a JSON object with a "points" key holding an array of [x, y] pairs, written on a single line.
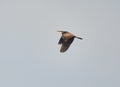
{"points": [[61, 40], [66, 44]]}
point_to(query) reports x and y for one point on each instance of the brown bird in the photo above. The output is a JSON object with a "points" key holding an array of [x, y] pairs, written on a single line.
{"points": [[66, 40]]}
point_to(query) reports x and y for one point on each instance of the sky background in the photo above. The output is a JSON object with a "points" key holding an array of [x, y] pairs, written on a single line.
{"points": [[29, 53]]}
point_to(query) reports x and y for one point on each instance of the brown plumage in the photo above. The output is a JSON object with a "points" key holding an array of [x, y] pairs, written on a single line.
{"points": [[66, 40]]}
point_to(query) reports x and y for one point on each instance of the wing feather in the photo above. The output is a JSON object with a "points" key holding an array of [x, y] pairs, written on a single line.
{"points": [[61, 40], [66, 44]]}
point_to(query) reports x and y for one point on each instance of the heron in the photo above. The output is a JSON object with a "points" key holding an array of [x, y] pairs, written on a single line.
{"points": [[66, 40]]}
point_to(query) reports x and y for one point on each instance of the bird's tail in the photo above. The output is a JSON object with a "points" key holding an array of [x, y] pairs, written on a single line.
{"points": [[79, 38]]}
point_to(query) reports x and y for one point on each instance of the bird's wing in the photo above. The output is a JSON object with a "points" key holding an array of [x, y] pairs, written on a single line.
{"points": [[66, 44], [61, 41]]}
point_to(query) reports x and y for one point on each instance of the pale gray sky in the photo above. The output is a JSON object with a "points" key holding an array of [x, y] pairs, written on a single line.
{"points": [[29, 53]]}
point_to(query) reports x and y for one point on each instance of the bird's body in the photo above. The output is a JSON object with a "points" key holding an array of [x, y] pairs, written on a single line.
{"points": [[66, 40]]}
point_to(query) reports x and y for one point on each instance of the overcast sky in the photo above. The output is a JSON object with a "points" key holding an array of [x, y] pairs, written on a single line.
{"points": [[29, 53]]}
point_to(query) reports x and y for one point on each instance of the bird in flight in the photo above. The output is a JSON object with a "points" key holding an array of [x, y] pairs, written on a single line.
{"points": [[66, 40]]}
